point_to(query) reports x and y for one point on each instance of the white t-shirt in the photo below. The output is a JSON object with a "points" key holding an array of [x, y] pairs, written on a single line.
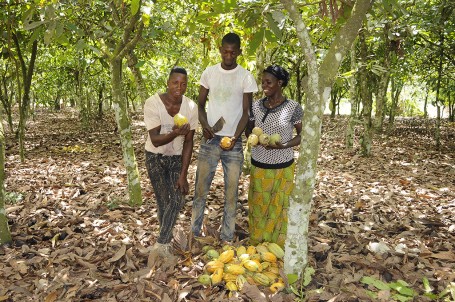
{"points": [[225, 99], [155, 114]]}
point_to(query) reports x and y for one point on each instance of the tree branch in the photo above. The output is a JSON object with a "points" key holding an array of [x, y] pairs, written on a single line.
{"points": [[342, 42]]}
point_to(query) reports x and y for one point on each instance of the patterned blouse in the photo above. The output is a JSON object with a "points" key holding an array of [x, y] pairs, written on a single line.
{"points": [[280, 119]]}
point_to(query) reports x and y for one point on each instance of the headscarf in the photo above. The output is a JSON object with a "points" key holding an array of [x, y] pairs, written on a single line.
{"points": [[279, 72]]}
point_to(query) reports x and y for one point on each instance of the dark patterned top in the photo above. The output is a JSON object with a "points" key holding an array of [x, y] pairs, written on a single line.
{"points": [[280, 119]]}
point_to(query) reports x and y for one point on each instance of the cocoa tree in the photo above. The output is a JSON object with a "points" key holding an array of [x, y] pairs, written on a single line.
{"points": [[320, 80]]}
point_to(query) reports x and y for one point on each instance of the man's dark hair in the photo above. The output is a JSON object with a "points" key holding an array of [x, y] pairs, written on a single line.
{"points": [[178, 69], [231, 38]]}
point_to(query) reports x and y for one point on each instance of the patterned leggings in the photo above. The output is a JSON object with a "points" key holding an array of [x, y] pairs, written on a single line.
{"points": [[164, 172]]}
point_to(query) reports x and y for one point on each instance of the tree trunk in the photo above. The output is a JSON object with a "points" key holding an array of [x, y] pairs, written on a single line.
{"points": [[320, 81], [100, 101], [124, 128], [7, 102], [437, 135], [396, 87], [5, 235], [142, 90], [349, 141], [366, 98], [383, 83], [425, 105], [27, 74]]}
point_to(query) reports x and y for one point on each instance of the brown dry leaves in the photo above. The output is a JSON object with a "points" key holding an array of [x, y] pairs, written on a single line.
{"points": [[75, 239]]}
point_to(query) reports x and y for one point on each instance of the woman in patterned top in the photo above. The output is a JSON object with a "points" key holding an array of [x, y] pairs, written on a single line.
{"points": [[272, 166]]}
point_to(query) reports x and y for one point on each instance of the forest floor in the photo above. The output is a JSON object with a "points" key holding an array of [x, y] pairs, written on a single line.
{"points": [[388, 216]]}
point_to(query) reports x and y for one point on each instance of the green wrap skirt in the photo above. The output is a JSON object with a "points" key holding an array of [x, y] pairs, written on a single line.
{"points": [[268, 201]]}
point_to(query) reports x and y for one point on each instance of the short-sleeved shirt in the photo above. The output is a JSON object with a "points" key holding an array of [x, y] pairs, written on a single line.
{"points": [[225, 99], [155, 114], [282, 120]]}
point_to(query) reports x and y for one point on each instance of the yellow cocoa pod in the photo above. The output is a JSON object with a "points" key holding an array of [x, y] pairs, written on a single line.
{"points": [[226, 142], [231, 286], [251, 265], [272, 276], [235, 269], [251, 250], [244, 257], [275, 249], [277, 286], [274, 270], [260, 248], [226, 256], [255, 257], [240, 281], [261, 279], [265, 265], [229, 277], [241, 250], [260, 268], [217, 276], [268, 256], [213, 265]]}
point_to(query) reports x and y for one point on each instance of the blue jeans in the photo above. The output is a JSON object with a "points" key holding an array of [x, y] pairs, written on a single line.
{"points": [[210, 154]]}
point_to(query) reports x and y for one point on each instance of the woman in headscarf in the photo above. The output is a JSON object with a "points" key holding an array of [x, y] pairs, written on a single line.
{"points": [[272, 165]]}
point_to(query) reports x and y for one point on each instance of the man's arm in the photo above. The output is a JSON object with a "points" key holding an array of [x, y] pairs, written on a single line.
{"points": [[163, 139], [247, 99], [182, 183], [201, 101]]}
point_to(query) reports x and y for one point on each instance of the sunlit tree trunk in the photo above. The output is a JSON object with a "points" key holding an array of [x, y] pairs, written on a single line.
{"points": [[124, 128], [320, 80], [131, 33]]}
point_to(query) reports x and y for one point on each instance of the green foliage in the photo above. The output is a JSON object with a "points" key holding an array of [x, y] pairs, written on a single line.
{"points": [[401, 291], [300, 289], [13, 197]]}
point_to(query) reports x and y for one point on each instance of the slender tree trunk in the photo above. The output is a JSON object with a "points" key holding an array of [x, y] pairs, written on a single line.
{"points": [[320, 81], [5, 235], [383, 83], [425, 105], [451, 106], [132, 65], [366, 97], [349, 137], [27, 74], [100, 101], [132, 31], [437, 135], [396, 87], [7, 102], [124, 128]]}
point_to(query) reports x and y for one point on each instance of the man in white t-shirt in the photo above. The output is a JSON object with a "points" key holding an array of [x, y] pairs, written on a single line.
{"points": [[228, 88]]}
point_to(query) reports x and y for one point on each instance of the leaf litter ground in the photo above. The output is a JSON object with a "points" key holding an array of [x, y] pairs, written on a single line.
{"points": [[388, 216]]}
